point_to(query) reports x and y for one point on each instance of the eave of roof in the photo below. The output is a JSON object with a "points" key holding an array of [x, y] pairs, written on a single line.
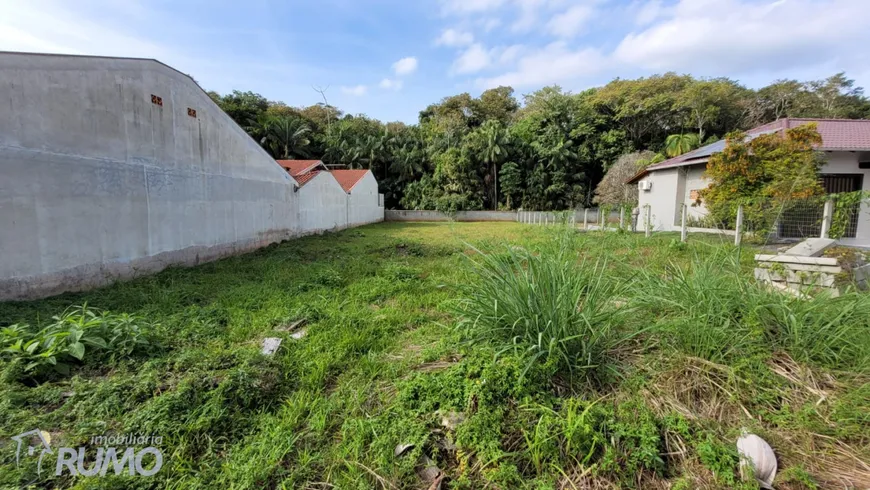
{"points": [[833, 128]]}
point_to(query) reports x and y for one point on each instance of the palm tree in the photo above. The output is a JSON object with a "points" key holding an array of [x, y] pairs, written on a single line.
{"points": [[678, 144], [495, 140], [286, 136], [407, 160]]}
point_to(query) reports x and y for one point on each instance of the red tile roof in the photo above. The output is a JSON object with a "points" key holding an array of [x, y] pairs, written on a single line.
{"points": [[837, 134], [348, 178], [299, 167], [305, 178]]}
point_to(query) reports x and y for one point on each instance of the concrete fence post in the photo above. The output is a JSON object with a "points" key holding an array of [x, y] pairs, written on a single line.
{"points": [[621, 218], [648, 219], [827, 218], [585, 219], [738, 228], [602, 218], [574, 219], [684, 231]]}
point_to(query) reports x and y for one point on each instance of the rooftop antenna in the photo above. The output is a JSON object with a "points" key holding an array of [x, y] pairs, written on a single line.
{"points": [[322, 92]]}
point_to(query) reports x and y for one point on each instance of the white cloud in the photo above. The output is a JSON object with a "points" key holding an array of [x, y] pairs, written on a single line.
{"points": [[510, 54], [528, 16], [471, 6], [454, 37], [56, 27], [570, 22], [490, 24], [739, 36], [472, 60], [356, 90], [648, 12], [556, 63], [389, 84], [405, 66]]}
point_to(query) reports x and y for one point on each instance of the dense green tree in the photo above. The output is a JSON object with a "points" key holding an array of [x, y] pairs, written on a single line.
{"points": [[550, 152], [511, 177]]}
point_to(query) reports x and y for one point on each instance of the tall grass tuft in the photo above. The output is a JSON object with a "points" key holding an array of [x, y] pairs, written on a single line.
{"points": [[714, 310], [545, 305], [825, 331], [700, 308]]}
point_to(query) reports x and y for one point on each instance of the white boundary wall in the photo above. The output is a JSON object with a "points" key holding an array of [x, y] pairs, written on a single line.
{"points": [[99, 183]]}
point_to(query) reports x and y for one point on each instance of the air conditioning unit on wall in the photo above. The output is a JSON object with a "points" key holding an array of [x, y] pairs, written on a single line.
{"points": [[644, 185]]}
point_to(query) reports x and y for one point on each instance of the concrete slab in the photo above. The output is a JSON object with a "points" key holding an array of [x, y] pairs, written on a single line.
{"points": [[811, 247], [796, 259], [270, 345]]}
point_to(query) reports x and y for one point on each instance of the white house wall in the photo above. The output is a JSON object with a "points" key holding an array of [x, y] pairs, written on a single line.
{"points": [[362, 203], [695, 181], [322, 205], [661, 198]]}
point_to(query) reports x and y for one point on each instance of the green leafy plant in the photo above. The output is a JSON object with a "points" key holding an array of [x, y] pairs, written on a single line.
{"points": [[546, 305], [71, 336]]}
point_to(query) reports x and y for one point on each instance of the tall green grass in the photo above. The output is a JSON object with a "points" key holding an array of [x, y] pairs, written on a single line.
{"points": [[700, 309], [546, 304], [713, 309]]}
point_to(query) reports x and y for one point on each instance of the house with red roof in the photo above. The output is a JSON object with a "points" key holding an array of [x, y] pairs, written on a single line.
{"points": [[666, 186], [334, 199]]}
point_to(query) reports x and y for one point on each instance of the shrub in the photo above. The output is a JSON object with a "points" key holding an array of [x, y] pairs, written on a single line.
{"points": [[825, 331], [544, 306], [700, 308], [77, 332]]}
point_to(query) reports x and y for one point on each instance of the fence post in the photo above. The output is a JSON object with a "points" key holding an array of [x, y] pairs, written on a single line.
{"points": [[574, 219], [648, 219], [603, 218], [684, 231], [622, 217], [828, 218], [585, 219], [738, 232]]}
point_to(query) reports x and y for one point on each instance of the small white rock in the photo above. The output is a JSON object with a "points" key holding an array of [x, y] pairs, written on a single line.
{"points": [[270, 345], [298, 334], [402, 449], [757, 456]]}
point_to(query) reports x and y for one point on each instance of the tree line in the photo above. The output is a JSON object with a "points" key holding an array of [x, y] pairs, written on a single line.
{"points": [[548, 153]]}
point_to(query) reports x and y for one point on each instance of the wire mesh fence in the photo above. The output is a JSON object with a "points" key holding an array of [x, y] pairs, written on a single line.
{"points": [[760, 220]]}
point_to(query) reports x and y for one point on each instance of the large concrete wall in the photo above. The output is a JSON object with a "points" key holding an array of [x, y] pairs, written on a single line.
{"points": [[98, 183], [363, 203], [322, 205]]}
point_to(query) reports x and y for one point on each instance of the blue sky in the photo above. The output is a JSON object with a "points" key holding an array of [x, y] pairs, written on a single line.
{"points": [[391, 58]]}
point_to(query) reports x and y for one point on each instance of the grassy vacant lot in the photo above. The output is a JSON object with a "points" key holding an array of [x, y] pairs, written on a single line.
{"points": [[555, 360]]}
